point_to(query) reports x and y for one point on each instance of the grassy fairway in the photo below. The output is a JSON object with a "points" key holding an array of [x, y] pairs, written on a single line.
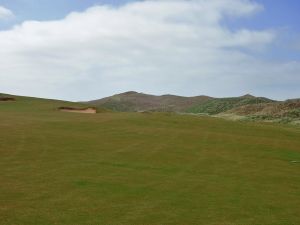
{"points": [[143, 169]]}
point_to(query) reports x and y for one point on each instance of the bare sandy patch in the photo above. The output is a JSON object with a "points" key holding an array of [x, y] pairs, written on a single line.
{"points": [[89, 110]]}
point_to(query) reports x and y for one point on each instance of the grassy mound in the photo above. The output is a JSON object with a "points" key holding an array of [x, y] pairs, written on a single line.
{"points": [[219, 105], [282, 112]]}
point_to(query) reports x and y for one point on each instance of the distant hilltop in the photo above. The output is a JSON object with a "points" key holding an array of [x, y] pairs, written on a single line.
{"points": [[132, 101], [247, 107]]}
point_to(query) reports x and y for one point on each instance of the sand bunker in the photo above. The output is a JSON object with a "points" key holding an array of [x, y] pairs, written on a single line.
{"points": [[6, 99], [89, 110]]}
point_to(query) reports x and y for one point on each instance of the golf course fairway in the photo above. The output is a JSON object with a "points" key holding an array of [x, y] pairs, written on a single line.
{"points": [[144, 168]]}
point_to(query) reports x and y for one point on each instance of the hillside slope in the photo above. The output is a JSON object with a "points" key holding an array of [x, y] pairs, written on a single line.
{"points": [[287, 111], [245, 107], [218, 105], [23, 104], [134, 102]]}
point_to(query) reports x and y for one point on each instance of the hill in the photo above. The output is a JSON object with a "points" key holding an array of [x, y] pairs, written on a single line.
{"points": [[143, 168], [247, 107], [287, 111], [135, 102], [37, 105], [219, 105]]}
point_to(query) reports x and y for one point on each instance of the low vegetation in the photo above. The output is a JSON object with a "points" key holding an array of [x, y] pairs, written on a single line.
{"points": [[282, 112], [139, 102], [219, 105]]}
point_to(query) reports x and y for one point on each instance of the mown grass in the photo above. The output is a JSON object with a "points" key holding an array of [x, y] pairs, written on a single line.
{"points": [[144, 168]]}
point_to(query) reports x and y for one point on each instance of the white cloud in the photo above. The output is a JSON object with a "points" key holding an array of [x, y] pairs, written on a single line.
{"points": [[5, 13], [173, 46]]}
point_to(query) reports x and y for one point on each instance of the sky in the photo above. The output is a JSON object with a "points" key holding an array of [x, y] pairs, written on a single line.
{"points": [[88, 49]]}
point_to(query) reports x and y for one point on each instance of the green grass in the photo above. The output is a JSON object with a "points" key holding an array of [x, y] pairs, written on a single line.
{"points": [[136, 168]]}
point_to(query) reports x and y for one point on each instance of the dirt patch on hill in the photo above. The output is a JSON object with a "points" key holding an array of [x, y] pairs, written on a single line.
{"points": [[7, 99], [89, 110]]}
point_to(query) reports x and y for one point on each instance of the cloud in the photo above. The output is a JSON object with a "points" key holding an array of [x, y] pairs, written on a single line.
{"points": [[153, 46], [5, 13]]}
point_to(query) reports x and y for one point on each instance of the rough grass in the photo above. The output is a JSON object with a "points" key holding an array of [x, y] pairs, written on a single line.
{"points": [[151, 168], [219, 105]]}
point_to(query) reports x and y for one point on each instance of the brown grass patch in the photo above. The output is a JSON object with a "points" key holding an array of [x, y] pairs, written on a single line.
{"points": [[7, 99]]}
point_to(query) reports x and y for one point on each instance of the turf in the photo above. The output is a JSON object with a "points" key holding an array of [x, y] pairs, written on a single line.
{"points": [[144, 168]]}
